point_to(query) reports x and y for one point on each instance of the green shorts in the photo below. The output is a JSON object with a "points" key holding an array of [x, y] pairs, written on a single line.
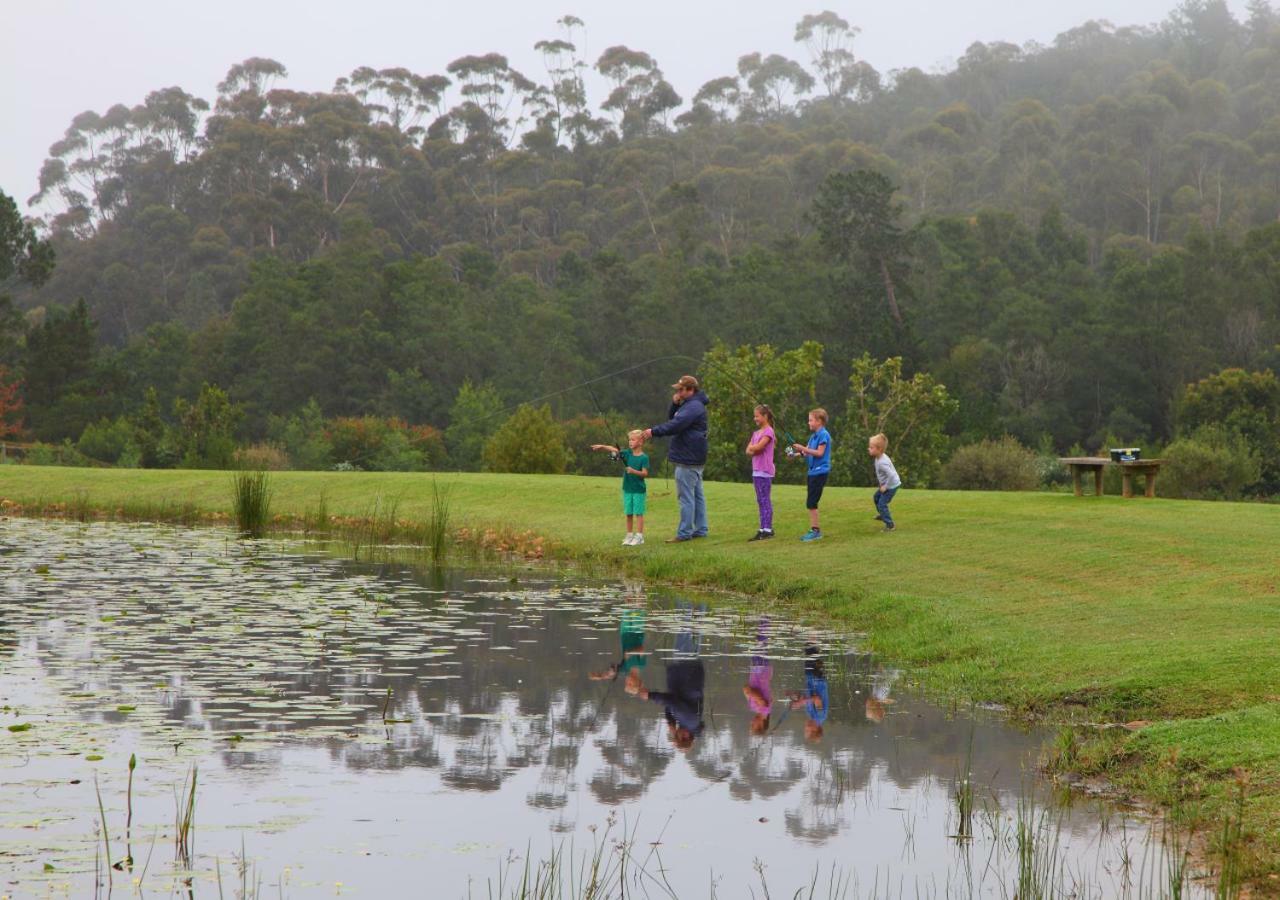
{"points": [[632, 504]]}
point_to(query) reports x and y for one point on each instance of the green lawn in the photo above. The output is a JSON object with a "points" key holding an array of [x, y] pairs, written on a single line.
{"points": [[1097, 609]]}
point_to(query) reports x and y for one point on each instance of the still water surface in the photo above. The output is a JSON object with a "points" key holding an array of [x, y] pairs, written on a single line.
{"points": [[764, 752]]}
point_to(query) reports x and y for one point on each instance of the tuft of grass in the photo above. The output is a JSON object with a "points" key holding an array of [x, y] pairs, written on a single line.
{"points": [[251, 500], [439, 526]]}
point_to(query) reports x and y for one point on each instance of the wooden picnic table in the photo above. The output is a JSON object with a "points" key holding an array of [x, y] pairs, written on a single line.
{"points": [[1078, 465]]}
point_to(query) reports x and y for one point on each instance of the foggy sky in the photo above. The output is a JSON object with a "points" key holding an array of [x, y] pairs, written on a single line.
{"points": [[60, 57]]}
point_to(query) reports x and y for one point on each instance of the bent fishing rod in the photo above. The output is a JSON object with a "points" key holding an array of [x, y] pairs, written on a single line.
{"points": [[750, 394]]}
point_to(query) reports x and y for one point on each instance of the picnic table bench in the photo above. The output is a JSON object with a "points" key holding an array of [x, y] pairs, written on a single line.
{"points": [[1081, 464]]}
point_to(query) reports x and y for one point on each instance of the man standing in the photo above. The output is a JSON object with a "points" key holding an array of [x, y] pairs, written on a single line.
{"points": [[687, 428]]}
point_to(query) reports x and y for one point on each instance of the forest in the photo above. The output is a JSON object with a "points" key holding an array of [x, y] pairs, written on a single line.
{"points": [[1067, 245]]}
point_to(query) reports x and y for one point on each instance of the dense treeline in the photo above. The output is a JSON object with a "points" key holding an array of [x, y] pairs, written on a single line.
{"points": [[1078, 231]]}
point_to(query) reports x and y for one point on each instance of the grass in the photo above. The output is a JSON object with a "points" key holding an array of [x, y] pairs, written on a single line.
{"points": [[251, 500], [1090, 610]]}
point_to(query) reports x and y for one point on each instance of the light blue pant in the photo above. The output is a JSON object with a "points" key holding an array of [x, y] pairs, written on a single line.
{"points": [[693, 504]]}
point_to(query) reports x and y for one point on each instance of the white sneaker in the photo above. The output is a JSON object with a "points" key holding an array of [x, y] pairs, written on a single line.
{"points": [[637, 540], [626, 541]]}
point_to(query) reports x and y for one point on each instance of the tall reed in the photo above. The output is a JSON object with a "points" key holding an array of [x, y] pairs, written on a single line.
{"points": [[438, 527], [252, 502]]}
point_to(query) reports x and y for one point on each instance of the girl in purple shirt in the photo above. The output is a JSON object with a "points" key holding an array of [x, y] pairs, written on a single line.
{"points": [[760, 449]]}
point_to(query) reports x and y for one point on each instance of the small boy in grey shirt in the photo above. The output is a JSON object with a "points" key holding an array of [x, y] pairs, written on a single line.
{"points": [[887, 476]]}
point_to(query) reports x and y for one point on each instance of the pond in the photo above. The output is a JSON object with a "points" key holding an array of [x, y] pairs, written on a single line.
{"points": [[382, 731]]}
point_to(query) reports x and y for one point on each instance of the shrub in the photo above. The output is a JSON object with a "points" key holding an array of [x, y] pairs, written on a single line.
{"points": [[1001, 465], [107, 440], [262, 457], [384, 445], [303, 436], [529, 442], [1213, 463], [206, 432]]}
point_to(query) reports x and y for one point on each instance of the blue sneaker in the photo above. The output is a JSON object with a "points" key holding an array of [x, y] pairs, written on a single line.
{"points": [[812, 535]]}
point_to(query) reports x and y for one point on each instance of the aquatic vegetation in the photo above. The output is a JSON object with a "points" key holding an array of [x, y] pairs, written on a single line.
{"points": [[284, 694], [251, 500]]}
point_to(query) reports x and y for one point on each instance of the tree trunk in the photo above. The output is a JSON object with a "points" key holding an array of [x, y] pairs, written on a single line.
{"points": [[889, 292]]}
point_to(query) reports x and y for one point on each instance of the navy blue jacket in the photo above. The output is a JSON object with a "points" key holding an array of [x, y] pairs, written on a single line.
{"points": [[687, 429], [682, 700]]}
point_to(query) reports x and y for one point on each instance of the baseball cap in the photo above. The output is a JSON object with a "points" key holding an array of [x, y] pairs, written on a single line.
{"points": [[686, 381]]}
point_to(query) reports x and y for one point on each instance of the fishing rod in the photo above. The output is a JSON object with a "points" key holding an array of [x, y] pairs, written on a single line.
{"points": [[750, 394]]}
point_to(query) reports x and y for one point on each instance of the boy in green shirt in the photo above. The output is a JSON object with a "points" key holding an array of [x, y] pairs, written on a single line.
{"points": [[635, 470]]}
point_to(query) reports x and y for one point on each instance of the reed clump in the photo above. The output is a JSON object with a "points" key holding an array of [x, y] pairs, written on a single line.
{"points": [[251, 500]]}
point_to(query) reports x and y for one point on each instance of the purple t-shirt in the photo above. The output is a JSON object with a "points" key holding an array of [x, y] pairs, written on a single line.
{"points": [[762, 465]]}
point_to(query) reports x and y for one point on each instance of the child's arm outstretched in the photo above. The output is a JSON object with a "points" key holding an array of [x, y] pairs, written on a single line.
{"points": [[609, 447]]}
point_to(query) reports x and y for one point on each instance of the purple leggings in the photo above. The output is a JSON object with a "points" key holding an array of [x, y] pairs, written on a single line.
{"points": [[763, 487]]}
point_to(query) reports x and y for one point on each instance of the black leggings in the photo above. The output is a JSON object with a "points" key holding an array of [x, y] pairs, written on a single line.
{"points": [[816, 484]]}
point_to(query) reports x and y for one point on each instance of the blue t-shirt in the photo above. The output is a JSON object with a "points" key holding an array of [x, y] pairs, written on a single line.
{"points": [[820, 465]]}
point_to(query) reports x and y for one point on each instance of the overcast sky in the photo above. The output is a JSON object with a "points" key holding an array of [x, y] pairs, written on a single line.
{"points": [[60, 57]]}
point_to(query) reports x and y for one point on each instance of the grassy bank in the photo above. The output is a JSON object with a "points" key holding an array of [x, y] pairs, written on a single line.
{"points": [[1097, 610]]}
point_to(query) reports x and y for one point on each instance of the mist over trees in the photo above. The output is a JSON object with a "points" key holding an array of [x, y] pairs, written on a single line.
{"points": [[1065, 235]]}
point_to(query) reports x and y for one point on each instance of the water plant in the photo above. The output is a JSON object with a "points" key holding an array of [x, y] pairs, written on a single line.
{"points": [[438, 526], [1231, 845], [963, 793], [184, 824], [251, 500]]}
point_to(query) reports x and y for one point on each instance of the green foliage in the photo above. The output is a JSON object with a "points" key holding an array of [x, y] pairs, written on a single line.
{"points": [[1211, 463], [911, 412], [383, 445], [23, 253], [205, 436], [530, 442], [1244, 403], [251, 501], [476, 414], [737, 380], [1000, 465], [110, 441], [304, 437], [155, 440]]}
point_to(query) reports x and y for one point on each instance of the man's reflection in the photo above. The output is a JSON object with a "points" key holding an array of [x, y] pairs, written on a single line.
{"points": [[686, 681]]}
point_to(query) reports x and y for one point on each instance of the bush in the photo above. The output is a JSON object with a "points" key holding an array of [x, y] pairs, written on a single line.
{"points": [[107, 440], [384, 445], [303, 436], [63, 454], [1003, 465], [1213, 463], [530, 442], [262, 457]]}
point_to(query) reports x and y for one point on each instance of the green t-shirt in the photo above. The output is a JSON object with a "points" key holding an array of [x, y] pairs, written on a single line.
{"points": [[634, 484]]}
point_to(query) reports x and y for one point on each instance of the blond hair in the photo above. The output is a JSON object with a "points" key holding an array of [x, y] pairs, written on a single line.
{"points": [[879, 440], [820, 414], [636, 432]]}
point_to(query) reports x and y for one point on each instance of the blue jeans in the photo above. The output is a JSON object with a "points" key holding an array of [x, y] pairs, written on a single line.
{"points": [[693, 504], [883, 499]]}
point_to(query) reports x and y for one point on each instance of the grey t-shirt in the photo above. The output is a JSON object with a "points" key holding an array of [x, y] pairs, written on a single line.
{"points": [[886, 474]]}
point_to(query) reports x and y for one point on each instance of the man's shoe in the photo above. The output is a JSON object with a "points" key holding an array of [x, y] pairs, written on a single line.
{"points": [[677, 540], [891, 527], [879, 518], [696, 536]]}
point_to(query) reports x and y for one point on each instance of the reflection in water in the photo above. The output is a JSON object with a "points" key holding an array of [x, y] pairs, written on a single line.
{"points": [[432, 707]]}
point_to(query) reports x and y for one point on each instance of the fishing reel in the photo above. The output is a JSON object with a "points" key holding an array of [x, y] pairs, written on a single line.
{"points": [[617, 457], [791, 452]]}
